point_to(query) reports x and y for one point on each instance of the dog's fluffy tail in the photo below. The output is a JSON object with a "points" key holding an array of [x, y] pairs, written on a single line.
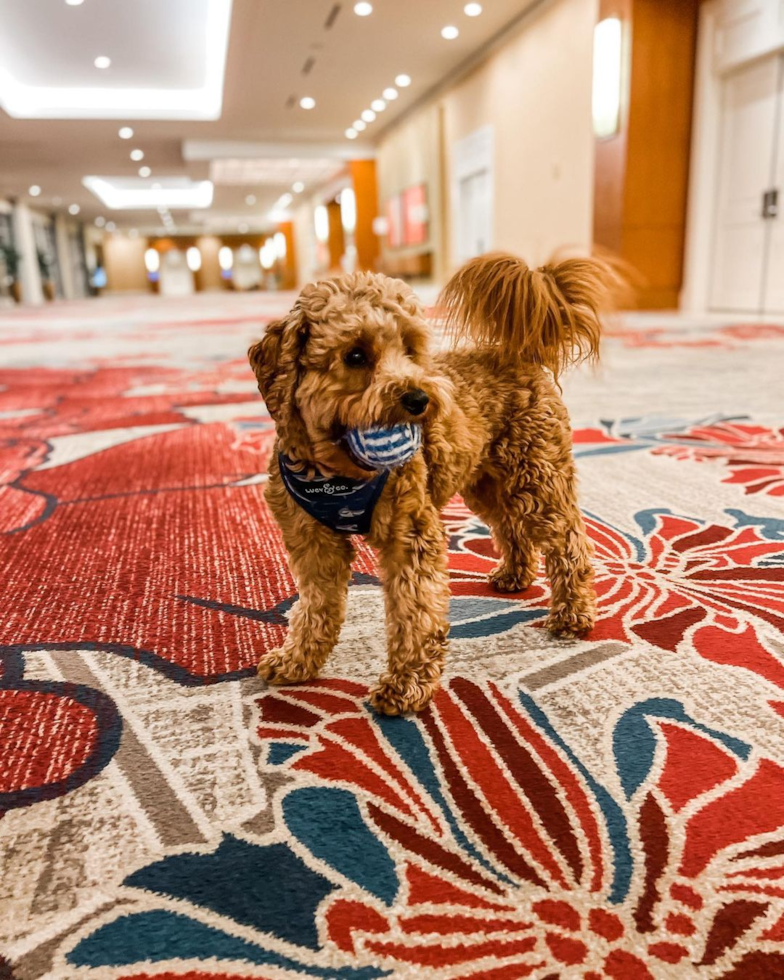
{"points": [[549, 316]]}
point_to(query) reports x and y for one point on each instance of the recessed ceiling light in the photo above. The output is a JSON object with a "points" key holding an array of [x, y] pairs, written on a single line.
{"points": [[363, 9], [102, 61], [144, 171], [74, 3], [137, 155], [351, 134], [359, 125], [34, 191], [100, 221], [449, 33], [119, 193], [307, 102], [110, 226], [125, 132], [299, 187], [74, 209], [378, 105], [390, 94], [403, 81], [250, 199], [368, 115], [472, 9]]}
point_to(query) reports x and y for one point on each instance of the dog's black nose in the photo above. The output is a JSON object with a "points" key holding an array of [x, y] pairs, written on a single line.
{"points": [[414, 401]]}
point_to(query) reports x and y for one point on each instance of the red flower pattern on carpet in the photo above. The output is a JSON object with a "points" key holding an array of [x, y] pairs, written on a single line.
{"points": [[754, 453], [513, 859], [683, 580]]}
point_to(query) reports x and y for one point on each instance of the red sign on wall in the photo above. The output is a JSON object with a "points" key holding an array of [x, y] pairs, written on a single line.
{"points": [[415, 215]]}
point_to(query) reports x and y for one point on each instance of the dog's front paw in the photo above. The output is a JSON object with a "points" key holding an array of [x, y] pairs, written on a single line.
{"points": [[506, 579], [277, 667], [396, 695], [571, 623]]}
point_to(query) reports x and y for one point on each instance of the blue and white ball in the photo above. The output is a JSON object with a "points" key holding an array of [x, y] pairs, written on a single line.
{"points": [[385, 449]]}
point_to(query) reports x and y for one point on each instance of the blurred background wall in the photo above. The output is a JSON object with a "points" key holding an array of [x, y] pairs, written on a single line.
{"points": [[648, 127]]}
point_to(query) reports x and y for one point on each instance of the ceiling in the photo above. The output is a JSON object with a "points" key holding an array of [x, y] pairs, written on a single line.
{"points": [[165, 58]]}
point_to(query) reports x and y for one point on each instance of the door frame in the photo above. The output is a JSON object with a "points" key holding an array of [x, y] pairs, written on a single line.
{"points": [[704, 168], [470, 155], [705, 165]]}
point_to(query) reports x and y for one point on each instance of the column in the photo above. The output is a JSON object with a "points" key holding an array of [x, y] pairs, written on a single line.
{"points": [[32, 290]]}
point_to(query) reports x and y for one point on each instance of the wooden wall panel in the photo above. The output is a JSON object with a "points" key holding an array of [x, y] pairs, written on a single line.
{"points": [[288, 276], [641, 178], [610, 157], [363, 176], [336, 243]]}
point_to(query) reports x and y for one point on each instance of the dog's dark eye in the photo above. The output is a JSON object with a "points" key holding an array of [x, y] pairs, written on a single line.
{"points": [[356, 357]]}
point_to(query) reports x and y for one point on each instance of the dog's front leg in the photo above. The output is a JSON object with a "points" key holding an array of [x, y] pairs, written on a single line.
{"points": [[413, 561], [320, 561]]}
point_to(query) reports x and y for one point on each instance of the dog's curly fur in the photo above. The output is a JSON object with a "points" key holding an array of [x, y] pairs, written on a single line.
{"points": [[495, 430]]}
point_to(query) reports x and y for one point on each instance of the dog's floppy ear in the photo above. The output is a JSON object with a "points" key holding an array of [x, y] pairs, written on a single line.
{"points": [[275, 361]]}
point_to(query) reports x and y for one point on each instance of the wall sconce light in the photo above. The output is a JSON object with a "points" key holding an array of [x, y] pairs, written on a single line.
{"points": [[152, 260], [321, 223], [267, 254], [607, 77], [348, 210], [225, 261], [193, 258]]}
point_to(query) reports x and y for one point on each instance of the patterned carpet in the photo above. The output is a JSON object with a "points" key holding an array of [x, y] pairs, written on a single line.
{"points": [[606, 808]]}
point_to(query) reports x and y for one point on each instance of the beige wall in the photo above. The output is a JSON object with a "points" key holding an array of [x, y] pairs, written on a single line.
{"points": [[411, 155], [535, 93], [124, 262]]}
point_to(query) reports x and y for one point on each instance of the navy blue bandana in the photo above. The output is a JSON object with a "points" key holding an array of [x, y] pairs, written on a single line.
{"points": [[340, 503]]}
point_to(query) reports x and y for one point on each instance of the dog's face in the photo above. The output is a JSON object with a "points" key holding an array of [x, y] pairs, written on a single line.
{"points": [[353, 353]]}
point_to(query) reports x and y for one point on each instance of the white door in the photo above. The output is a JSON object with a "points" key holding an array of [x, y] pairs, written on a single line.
{"points": [[176, 279], [475, 215], [748, 141], [472, 195]]}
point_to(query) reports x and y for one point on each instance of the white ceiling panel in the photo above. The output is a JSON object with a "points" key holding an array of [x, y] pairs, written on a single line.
{"points": [[167, 58], [133, 193]]}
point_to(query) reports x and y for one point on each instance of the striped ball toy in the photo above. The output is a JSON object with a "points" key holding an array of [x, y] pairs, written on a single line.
{"points": [[385, 449]]}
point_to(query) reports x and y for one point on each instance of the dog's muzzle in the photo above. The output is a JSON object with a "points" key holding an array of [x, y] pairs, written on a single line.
{"points": [[415, 401]]}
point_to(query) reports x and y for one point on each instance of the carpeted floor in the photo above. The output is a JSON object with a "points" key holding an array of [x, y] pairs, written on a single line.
{"points": [[607, 808]]}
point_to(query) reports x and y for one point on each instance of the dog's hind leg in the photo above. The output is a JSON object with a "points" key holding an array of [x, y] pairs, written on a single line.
{"points": [[505, 515], [320, 561], [542, 515], [555, 525], [573, 602]]}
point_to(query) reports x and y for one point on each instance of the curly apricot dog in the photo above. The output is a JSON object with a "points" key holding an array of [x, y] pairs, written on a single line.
{"points": [[353, 353]]}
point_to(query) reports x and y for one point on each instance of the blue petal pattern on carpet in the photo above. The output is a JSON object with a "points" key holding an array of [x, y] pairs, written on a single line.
{"points": [[158, 936], [269, 888], [329, 824]]}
